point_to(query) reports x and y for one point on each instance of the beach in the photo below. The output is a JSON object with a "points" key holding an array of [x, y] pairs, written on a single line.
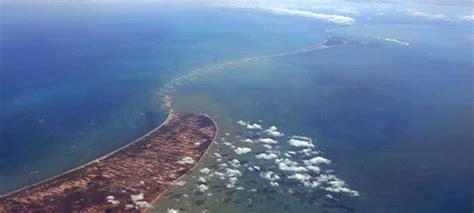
{"points": [[125, 179]]}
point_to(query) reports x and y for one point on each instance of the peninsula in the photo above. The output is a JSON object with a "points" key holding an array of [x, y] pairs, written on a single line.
{"points": [[126, 179]]}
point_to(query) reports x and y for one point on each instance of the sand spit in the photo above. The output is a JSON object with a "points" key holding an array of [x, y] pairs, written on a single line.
{"points": [[126, 179]]}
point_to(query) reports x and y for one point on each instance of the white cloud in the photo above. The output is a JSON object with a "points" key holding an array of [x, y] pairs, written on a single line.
{"points": [[202, 188], [300, 143], [266, 156], [440, 16], [301, 137], [242, 150], [335, 19], [269, 175], [268, 146], [289, 165], [139, 201], [317, 160], [205, 170], [254, 126], [302, 178], [431, 16], [267, 140], [172, 211], [280, 9], [201, 179], [232, 172], [313, 168], [111, 199], [468, 18], [403, 43], [339, 186], [243, 123], [248, 140], [233, 180], [273, 131], [186, 160], [235, 163], [309, 152]]}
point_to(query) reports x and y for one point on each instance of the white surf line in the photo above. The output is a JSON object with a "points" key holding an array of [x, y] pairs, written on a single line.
{"points": [[169, 87]]}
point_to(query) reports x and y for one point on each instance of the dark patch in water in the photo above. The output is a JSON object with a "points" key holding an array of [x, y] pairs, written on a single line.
{"points": [[200, 202]]}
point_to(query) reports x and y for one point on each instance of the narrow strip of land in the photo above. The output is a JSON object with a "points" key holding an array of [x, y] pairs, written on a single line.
{"points": [[126, 179]]}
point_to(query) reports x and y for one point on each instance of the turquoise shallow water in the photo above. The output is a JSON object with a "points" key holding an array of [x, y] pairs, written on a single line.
{"points": [[81, 79]]}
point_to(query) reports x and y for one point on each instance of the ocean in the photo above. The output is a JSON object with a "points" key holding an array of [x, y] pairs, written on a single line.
{"points": [[381, 121]]}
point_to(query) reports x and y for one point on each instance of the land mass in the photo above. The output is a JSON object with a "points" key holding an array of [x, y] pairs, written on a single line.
{"points": [[126, 179]]}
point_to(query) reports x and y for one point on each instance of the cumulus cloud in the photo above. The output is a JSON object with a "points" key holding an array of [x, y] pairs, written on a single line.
{"points": [[205, 170], [186, 160], [202, 188], [335, 184], [267, 140], [235, 163], [289, 165], [111, 199], [339, 186], [232, 182], [139, 201], [302, 178], [403, 43], [273, 131], [254, 126], [268, 146], [266, 156], [309, 152], [232, 172], [242, 150], [313, 168], [300, 143], [269, 175], [201, 179], [248, 140], [172, 211], [243, 123], [316, 161]]}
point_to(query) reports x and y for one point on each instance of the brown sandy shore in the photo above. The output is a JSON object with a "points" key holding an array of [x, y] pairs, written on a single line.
{"points": [[126, 179]]}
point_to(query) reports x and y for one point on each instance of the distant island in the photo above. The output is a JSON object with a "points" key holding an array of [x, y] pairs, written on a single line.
{"points": [[335, 41], [126, 179]]}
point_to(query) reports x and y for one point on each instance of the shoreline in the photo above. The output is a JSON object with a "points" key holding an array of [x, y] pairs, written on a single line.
{"points": [[170, 114], [155, 158], [190, 170]]}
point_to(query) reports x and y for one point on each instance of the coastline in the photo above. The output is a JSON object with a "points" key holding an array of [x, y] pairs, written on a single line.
{"points": [[170, 114], [151, 156], [190, 170]]}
